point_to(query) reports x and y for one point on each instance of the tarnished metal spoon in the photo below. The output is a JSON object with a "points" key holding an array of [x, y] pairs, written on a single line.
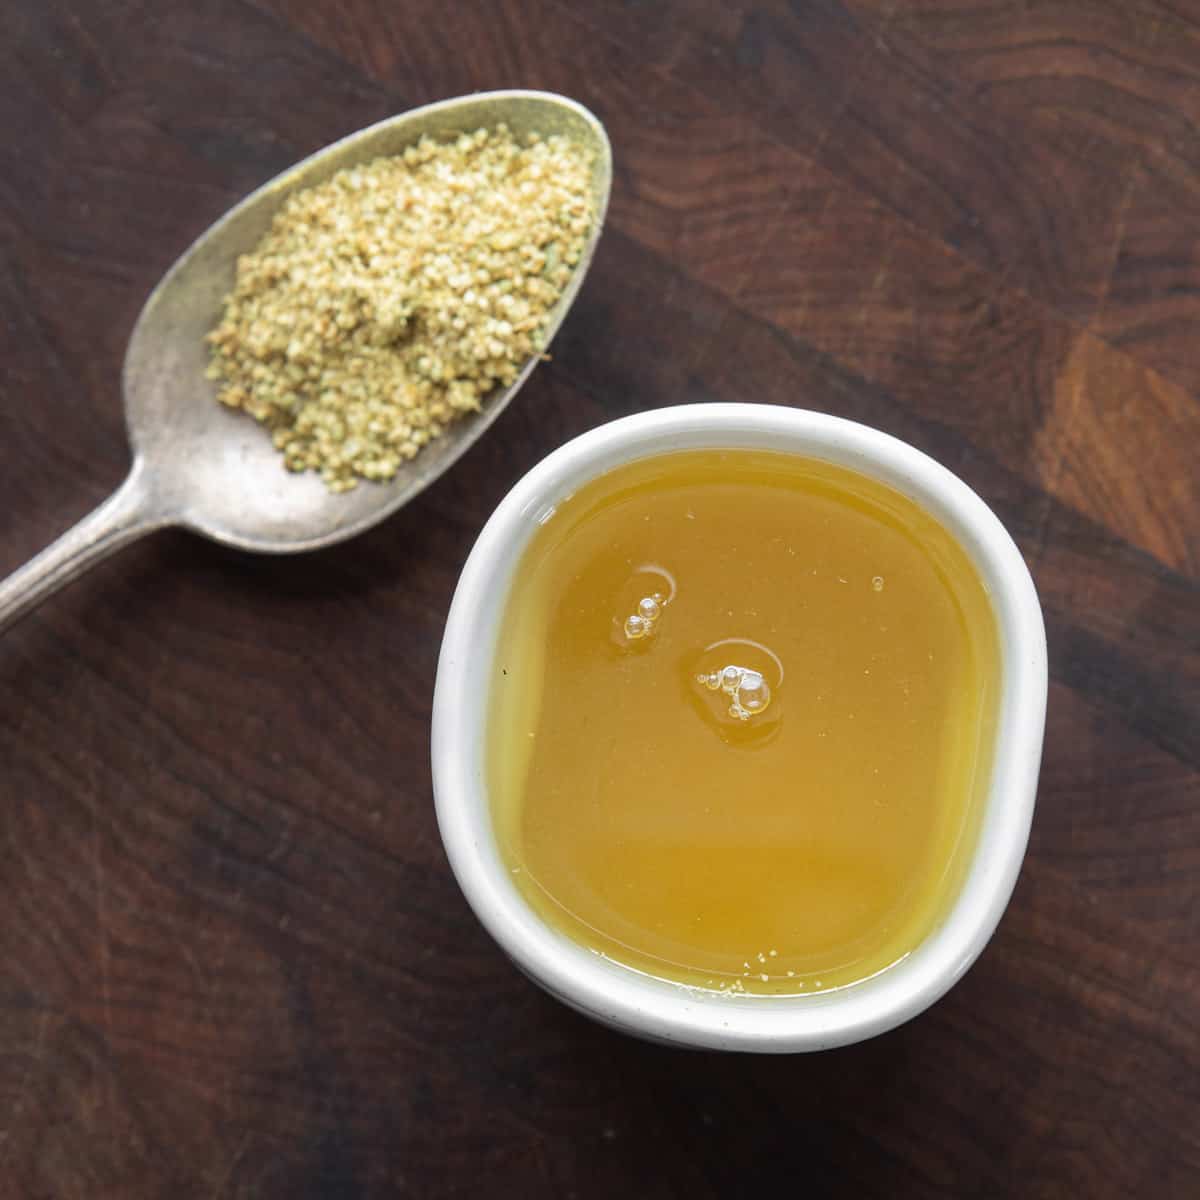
{"points": [[200, 466]]}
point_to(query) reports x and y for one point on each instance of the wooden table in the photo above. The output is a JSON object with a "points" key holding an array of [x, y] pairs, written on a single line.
{"points": [[233, 960]]}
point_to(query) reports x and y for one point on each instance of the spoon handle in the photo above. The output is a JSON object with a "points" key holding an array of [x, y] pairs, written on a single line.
{"points": [[126, 515]]}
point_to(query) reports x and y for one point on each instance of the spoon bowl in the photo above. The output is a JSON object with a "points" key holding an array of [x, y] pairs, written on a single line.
{"points": [[209, 469]]}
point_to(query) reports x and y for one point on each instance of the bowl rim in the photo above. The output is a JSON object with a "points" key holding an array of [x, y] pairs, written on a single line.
{"points": [[660, 1010]]}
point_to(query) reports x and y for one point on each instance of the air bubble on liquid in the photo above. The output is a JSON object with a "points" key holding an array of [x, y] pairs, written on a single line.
{"points": [[650, 606], [656, 592], [877, 583], [747, 688]]}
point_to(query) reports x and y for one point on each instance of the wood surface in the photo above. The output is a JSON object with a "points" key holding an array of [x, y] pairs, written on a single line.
{"points": [[233, 961]]}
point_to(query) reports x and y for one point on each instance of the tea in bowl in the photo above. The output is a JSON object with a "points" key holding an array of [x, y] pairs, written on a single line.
{"points": [[737, 726]]}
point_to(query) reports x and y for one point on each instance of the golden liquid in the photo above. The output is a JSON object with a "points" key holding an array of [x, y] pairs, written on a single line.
{"points": [[807, 847]]}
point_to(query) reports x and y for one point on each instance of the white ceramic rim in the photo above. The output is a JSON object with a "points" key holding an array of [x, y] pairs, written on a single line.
{"points": [[658, 1009]]}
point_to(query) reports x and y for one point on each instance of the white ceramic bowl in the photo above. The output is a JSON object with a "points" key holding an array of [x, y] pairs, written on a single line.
{"points": [[658, 1009]]}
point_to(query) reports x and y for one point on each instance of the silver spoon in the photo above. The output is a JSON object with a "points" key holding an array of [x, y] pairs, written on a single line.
{"points": [[200, 466]]}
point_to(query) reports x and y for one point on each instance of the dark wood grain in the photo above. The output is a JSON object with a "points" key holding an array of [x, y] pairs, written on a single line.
{"points": [[235, 963]]}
